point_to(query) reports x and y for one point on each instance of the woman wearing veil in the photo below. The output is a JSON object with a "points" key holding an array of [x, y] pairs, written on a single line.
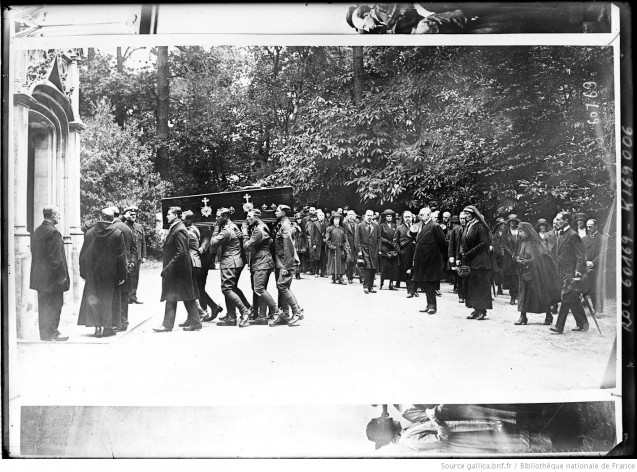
{"points": [[539, 279], [474, 252]]}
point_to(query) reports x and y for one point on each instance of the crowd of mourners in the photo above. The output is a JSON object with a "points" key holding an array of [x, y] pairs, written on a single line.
{"points": [[546, 268]]}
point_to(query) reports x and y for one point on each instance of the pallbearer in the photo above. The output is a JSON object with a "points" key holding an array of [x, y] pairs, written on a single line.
{"points": [[286, 261]]}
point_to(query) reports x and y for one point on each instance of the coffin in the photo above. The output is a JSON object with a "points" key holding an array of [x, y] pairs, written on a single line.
{"points": [[239, 202]]}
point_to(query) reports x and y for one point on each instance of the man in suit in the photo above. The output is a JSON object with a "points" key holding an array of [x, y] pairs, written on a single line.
{"points": [[404, 241], [350, 231], [453, 251], [49, 274], [231, 263], [140, 256], [592, 243], [367, 242], [131, 256], [177, 278], [428, 257], [571, 263]]}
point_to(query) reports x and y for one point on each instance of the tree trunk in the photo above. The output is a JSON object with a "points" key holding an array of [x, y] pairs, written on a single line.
{"points": [[358, 73], [163, 100], [119, 106]]}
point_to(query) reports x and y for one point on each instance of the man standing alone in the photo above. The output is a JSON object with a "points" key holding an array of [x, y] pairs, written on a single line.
{"points": [[49, 274]]}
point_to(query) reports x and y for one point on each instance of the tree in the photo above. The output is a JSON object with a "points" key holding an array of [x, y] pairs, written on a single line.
{"points": [[163, 109]]}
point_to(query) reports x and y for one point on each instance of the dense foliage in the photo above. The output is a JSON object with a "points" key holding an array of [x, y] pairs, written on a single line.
{"points": [[505, 128]]}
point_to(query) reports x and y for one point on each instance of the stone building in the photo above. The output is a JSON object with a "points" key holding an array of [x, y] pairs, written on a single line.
{"points": [[42, 143]]}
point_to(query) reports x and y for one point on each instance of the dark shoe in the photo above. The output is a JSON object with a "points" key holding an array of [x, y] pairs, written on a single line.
{"points": [[548, 320], [372, 291], [185, 324], [431, 311], [455, 290], [162, 329], [98, 333], [581, 328], [244, 321], [294, 321], [522, 321], [59, 337], [473, 316], [108, 332], [424, 310], [391, 287], [225, 321], [438, 294], [461, 300], [410, 295], [212, 315], [512, 302], [365, 290], [333, 281], [193, 327], [137, 302], [482, 316], [557, 331], [416, 294], [500, 292], [276, 320]]}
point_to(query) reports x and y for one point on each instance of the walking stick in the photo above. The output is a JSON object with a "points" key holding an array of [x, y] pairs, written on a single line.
{"points": [[592, 311]]}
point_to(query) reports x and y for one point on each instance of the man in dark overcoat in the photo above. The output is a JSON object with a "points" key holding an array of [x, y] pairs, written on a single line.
{"points": [[429, 254], [103, 266], [49, 274], [139, 257], [571, 263], [314, 243], [177, 278], [367, 242], [349, 225], [511, 244], [131, 257], [593, 243], [453, 252], [404, 242]]}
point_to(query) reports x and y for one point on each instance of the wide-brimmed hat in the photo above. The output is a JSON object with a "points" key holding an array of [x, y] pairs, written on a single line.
{"points": [[541, 222], [580, 216], [388, 211], [513, 217]]}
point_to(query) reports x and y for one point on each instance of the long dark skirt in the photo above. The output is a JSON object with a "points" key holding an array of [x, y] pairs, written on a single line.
{"points": [[389, 268], [478, 294]]}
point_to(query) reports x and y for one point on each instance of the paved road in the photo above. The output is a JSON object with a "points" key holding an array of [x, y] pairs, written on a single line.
{"points": [[352, 348]]}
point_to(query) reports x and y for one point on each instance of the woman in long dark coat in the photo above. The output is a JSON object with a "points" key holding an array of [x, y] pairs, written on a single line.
{"points": [[475, 254], [103, 266], [540, 282], [337, 249], [389, 254]]}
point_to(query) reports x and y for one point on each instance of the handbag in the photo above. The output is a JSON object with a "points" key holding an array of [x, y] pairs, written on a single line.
{"points": [[464, 271], [360, 263], [392, 254]]}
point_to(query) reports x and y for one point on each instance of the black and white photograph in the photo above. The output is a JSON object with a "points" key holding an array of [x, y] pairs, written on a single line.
{"points": [[212, 238]]}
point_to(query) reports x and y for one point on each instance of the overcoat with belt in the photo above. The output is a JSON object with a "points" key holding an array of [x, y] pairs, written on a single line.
{"points": [[177, 281]]}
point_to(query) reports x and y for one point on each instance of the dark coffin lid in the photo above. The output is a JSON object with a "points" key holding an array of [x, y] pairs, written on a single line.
{"points": [[204, 206]]}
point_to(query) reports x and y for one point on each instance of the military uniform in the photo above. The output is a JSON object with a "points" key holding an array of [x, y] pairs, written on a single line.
{"points": [[286, 259], [231, 263], [140, 240], [258, 248]]}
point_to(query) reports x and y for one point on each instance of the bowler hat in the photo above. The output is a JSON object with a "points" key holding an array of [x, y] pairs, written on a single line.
{"points": [[541, 222]]}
